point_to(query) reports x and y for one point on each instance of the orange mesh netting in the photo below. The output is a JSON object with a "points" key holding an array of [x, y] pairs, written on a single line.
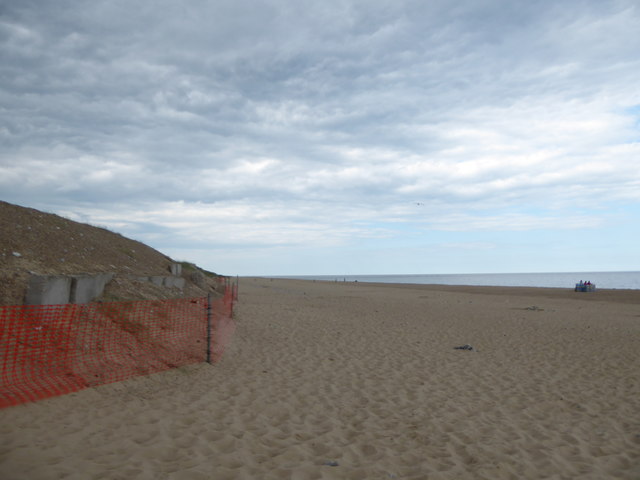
{"points": [[49, 350]]}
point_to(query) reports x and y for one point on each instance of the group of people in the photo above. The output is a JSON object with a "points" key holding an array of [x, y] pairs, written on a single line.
{"points": [[585, 286]]}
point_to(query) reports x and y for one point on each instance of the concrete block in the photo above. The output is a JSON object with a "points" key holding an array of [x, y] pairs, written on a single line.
{"points": [[85, 288], [176, 269], [48, 290], [174, 282], [157, 280]]}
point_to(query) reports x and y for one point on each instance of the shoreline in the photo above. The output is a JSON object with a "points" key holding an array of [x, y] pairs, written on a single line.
{"points": [[624, 280], [611, 295]]}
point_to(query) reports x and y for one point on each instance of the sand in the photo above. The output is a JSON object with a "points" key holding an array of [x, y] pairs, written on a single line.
{"points": [[360, 381]]}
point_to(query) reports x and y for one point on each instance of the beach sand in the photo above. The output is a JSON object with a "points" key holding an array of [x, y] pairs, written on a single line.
{"points": [[360, 381]]}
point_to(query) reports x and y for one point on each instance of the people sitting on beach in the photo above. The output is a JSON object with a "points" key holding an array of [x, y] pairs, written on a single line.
{"points": [[585, 286]]}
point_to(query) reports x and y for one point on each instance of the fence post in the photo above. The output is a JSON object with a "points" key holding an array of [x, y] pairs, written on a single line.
{"points": [[209, 320]]}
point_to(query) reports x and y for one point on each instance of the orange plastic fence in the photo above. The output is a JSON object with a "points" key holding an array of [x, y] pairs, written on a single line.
{"points": [[49, 350]]}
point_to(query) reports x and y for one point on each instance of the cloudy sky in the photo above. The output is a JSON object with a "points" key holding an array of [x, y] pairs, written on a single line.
{"points": [[283, 137]]}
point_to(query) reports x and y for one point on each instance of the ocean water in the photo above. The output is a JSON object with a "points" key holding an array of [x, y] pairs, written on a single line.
{"points": [[607, 280]]}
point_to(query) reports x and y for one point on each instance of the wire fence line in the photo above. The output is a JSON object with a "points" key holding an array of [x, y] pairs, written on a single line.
{"points": [[50, 350]]}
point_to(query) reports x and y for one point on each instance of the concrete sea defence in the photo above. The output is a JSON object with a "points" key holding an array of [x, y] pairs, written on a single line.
{"points": [[85, 287]]}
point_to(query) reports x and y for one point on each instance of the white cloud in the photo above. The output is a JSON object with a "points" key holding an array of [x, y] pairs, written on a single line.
{"points": [[515, 222]]}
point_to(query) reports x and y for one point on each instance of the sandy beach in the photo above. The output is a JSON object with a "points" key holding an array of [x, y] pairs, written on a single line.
{"points": [[328, 380]]}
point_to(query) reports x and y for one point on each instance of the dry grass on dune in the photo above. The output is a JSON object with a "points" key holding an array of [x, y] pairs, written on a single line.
{"points": [[44, 243]]}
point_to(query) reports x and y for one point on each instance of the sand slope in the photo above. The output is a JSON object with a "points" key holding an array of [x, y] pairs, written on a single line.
{"points": [[366, 377]]}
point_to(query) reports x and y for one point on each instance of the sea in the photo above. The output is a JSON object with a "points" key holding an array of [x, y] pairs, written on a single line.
{"points": [[606, 280]]}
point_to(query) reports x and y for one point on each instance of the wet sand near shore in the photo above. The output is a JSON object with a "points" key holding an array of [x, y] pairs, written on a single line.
{"points": [[329, 380]]}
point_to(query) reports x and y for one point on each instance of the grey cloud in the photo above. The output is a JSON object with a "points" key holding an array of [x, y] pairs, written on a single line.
{"points": [[378, 103]]}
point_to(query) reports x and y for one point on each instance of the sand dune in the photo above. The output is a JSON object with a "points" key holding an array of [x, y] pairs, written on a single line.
{"points": [[358, 381]]}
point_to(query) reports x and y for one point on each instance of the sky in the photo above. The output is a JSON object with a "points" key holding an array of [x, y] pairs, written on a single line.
{"points": [[284, 137]]}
